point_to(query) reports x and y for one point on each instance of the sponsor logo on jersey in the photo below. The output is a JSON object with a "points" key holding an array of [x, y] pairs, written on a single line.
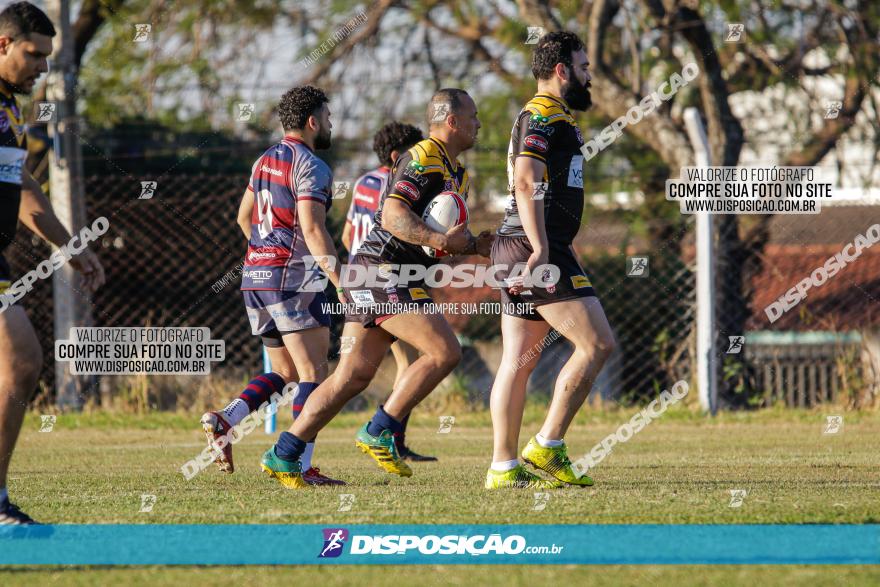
{"points": [[4, 121], [541, 127], [393, 299], [576, 172], [580, 137], [267, 169], [254, 255], [415, 176], [362, 297], [407, 189], [536, 142], [258, 275], [415, 166], [417, 293], [579, 281]]}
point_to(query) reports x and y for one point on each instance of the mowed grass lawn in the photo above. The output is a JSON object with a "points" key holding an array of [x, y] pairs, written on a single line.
{"points": [[679, 469]]}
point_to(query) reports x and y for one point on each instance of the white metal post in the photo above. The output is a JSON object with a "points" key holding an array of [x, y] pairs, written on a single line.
{"points": [[707, 365], [66, 194]]}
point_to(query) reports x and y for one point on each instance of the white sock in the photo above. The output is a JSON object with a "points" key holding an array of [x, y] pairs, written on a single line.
{"points": [[236, 411], [4, 494], [546, 442], [502, 466], [306, 458]]}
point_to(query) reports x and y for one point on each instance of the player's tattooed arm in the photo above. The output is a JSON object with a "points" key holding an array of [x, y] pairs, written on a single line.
{"points": [[403, 223], [400, 221]]}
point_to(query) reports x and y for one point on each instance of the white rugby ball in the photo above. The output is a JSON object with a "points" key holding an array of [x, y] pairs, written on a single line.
{"points": [[445, 211]]}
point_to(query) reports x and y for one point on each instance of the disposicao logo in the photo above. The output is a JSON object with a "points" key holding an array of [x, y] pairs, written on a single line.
{"points": [[334, 540]]}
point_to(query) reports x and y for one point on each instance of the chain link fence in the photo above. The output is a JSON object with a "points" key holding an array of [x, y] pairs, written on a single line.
{"points": [[175, 260]]}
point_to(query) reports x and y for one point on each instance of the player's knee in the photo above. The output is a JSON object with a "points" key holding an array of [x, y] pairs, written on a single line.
{"points": [[597, 349], [355, 381], [26, 371], [604, 346], [448, 356], [524, 367]]}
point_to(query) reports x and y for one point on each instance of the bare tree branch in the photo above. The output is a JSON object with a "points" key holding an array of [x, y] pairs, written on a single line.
{"points": [[473, 33], [538, 13], [374, 19], [613, 99]]}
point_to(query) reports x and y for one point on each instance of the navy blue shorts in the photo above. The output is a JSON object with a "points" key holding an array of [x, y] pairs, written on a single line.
{"points": [[271, 312]]}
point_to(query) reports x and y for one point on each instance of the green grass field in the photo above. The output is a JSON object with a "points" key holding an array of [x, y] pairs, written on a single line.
{"points": [[679, 469]]}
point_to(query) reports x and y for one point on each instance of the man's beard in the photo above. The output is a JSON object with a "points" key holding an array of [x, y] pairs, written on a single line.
{"points": [[322, 141], [15, 88], [577, 95]]}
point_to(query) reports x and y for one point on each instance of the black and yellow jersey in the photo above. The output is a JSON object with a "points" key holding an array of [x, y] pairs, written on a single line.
{"points": [[13, 152], [417, 177], [545, 130]]}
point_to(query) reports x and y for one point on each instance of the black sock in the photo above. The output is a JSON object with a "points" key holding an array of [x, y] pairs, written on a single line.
{"points": [[382, 421], [400, 437], [289, 447]]}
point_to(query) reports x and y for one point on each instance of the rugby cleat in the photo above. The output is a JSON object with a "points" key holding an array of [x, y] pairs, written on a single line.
{"points": [[216, 427], [383, 450], [314, 477], [518, 478], [10, 515], [288, 473], [553, 460]]}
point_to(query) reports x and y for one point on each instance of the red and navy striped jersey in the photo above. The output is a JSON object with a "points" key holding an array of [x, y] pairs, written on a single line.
{"points": [[287, 173], [365, 200]]}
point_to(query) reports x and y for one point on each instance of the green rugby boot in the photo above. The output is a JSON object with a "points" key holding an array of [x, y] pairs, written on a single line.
{"points": [[553, 460], [288, 473], [518, 478], [383, 450]]}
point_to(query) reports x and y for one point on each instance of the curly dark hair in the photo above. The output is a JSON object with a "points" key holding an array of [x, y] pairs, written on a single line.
{"points": [[23, 18], [553, 48], [297, 104], [395, 136]]}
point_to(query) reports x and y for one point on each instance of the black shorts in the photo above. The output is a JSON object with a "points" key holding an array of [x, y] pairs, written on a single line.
{"points": [[273, 339], [5, 275], [573, 282], [373, 305]]}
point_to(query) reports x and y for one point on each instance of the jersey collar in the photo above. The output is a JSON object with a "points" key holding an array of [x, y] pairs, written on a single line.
{"points": [[453, 169], [558, 100], [296, 140], [442, 146]]}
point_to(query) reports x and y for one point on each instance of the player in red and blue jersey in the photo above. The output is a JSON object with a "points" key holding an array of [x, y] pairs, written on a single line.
{"points": [[283, 214], [392, 139]]}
